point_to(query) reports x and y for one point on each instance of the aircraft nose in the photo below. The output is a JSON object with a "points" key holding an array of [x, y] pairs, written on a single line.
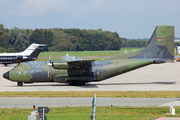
{"points": [[6, 75]]}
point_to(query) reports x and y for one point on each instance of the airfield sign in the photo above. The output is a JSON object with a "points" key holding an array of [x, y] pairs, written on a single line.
{"points": [[46, 109]]}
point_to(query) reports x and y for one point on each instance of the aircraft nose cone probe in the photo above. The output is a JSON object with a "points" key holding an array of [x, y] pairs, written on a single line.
{"points": [[6, 75]]}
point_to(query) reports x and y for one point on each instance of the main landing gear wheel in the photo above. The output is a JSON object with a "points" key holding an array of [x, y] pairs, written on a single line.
{"points": [[19, 84], [76, 84], [81, 83]]}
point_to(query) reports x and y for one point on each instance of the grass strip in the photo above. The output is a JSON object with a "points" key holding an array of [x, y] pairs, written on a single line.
{"points": [[118, 94], [89, 53], [58, 59], [84, 113]]}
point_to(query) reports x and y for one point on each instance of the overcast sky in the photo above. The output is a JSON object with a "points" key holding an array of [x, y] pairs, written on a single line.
{"points": [[130, 18]]}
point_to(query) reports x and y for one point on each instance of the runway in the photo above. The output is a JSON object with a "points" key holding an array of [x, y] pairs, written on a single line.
{"points": [[155, 77], [28, 102]]}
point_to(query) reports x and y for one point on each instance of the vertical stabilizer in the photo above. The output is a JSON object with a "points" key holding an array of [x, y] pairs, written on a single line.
{"points": [[32, 49], [160, 47], [36, 52]]}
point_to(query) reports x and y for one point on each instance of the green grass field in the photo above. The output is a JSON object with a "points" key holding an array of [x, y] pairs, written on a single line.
{"points": [[84, 113], [89, 53], [92, 53], [119, 94], [86, 54]]}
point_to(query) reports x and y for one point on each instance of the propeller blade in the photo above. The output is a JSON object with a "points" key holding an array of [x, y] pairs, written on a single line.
{"points": [[50, 56], [45, 56]]}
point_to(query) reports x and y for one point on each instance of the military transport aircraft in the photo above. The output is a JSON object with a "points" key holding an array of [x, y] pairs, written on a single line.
{"points": [[30, 54], [76, 71]]}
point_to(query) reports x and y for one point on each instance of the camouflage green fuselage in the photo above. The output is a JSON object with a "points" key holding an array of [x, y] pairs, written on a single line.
{"points": [[39, 71]]}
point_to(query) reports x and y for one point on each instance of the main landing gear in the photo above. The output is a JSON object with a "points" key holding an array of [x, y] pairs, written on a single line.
{"points": [[19, 84], [76, 84]]}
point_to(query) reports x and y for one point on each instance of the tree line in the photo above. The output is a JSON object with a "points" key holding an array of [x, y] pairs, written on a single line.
{"points": [[133, 43], [58, 39]]}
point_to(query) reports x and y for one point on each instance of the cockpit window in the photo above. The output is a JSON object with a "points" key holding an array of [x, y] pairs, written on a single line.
{"points": [[17, 68]]}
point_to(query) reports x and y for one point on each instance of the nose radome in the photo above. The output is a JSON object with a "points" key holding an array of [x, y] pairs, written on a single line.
{"points": [[6, 75]]}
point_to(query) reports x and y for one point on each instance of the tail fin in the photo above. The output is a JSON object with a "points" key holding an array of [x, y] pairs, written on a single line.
{"points": [[31, 49], [160, 47], [36, 52]]}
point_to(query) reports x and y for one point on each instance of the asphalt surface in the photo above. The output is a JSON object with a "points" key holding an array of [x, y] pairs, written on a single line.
{"points": [[28, 102], [85, 57], [155, 77]]}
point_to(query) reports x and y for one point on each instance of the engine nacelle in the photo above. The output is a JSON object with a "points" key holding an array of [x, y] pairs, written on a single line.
{"points": [[60, 65], [19, 58]]}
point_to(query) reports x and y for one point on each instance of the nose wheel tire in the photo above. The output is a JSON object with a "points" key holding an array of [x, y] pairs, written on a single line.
{"points": [[19, 84]]}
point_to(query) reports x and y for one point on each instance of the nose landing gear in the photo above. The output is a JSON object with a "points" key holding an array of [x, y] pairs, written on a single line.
{"points": [[19, 84]]}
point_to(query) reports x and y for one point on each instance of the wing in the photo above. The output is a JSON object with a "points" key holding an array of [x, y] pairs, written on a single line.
{"points": [[72, 64]]}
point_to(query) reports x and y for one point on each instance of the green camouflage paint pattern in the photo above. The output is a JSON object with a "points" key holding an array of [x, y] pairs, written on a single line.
{"points": [[166, 33], [53, 72], [119, 66], [20, 75]]}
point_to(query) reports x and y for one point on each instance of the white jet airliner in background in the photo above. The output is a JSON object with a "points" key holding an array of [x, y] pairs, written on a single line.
{"points": [[30, 54]]}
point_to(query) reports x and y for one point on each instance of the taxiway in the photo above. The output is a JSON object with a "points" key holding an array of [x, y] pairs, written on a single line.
{"points": [[28, 102], [154, 77]]}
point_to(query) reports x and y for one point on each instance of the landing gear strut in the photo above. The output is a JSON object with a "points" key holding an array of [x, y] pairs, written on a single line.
{"points": [[19, 84]]}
